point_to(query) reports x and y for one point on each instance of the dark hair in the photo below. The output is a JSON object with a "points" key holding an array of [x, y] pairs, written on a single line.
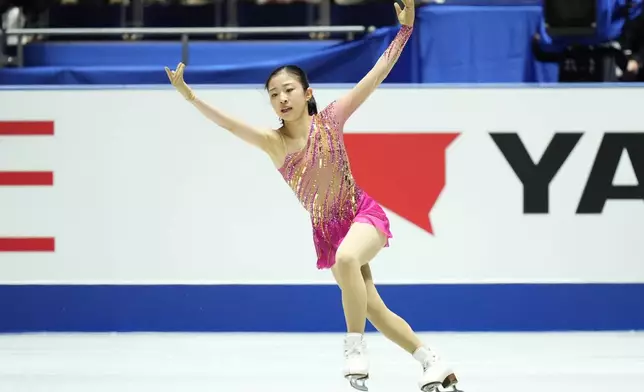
{"points": [[301, 76]]}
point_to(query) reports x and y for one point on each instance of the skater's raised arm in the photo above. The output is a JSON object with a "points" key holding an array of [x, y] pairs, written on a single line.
{"points": [[347, 104], [265, 139]]}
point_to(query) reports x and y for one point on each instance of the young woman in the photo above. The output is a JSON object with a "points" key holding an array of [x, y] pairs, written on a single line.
{"points": [[349, 227]]}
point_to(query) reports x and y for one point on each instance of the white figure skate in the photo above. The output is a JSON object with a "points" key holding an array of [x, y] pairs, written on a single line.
{"points": [[437, 374], [356, 363]]}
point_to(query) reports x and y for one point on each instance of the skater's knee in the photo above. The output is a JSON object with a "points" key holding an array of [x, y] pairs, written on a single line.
{"points": [[346, 261]]}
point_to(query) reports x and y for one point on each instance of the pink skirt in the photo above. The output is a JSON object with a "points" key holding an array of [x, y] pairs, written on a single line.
{"points": [[328, 240]]}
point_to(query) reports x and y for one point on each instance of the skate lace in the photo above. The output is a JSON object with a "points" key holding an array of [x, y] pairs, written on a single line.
{"points": [[355, 349], [430, 361]]}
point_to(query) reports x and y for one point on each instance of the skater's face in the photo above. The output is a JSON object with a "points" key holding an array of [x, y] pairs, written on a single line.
{"points": [[288, 97]]}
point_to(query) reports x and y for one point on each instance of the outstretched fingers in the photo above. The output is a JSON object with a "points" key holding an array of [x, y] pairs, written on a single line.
{"points": [[177, 74]]}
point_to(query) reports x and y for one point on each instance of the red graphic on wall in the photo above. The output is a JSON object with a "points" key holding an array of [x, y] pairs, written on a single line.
{"points": [[27, 244], [403, 172], [26, 178], [26, 128]]}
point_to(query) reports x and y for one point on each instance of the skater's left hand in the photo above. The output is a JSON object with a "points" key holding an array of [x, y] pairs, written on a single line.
{"points": [[406, 15]]}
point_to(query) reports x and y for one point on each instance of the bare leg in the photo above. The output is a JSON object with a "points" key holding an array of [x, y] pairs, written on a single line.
{"points": [[396, 329], [392, 326], [360, 245], [360, 300]]}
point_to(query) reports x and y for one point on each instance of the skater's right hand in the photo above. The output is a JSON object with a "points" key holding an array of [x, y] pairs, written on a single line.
{"points": [[176, 78]]}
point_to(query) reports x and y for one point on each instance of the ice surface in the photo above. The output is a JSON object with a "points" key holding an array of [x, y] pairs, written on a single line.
{"points": [[485, 362]]}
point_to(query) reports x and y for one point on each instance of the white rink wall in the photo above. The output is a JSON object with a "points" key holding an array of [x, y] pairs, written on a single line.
{"points": [[149, 195]]}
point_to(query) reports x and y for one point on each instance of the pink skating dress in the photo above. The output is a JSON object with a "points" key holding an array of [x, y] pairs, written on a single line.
{"points": [[320, 174]]}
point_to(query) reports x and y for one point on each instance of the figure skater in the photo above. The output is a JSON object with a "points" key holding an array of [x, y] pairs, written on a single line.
{"points": [[349, 227]]}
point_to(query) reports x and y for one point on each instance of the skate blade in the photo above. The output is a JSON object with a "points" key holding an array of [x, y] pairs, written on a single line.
{"points": [[358, 382], [436, 387], [449, 381], [432, 387]]}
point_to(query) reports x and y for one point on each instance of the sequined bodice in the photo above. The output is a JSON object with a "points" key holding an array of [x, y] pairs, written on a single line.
{"points": [[320, 173]]}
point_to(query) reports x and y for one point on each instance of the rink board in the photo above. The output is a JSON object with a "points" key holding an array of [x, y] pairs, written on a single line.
{"points": [[512, 208], [317, 308]]}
